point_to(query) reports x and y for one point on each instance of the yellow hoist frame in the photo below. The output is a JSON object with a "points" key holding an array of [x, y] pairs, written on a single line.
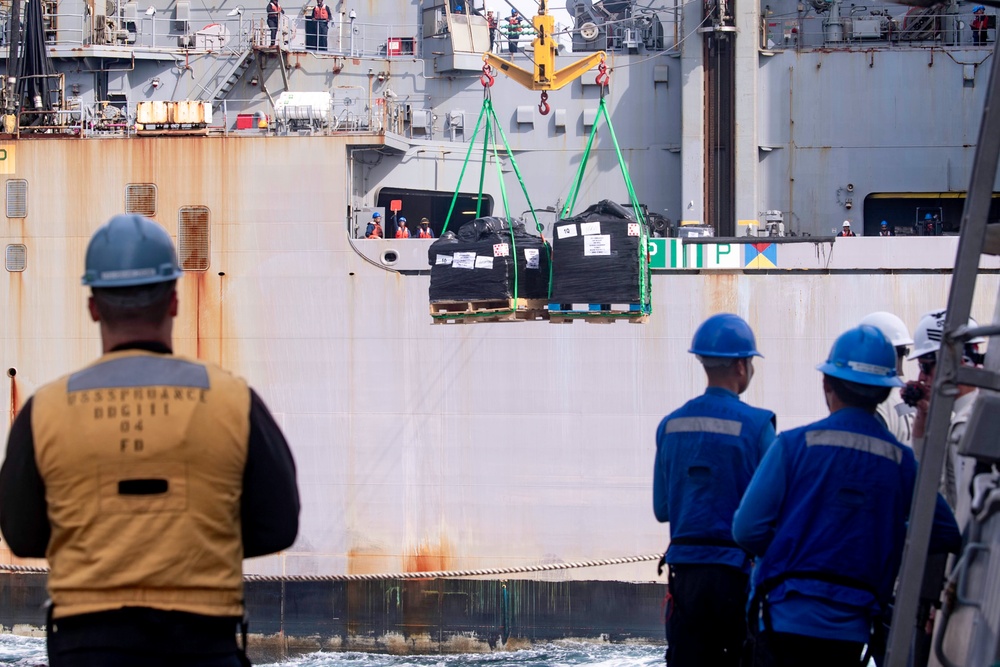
{"points": [[545, 77]]}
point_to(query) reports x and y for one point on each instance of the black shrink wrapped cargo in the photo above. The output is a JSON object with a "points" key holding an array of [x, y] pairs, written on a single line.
{"points": [[595, 257], [476, 264]]}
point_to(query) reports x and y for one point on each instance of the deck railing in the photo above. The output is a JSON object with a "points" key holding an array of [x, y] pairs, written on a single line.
{"points": [[916, 28]]}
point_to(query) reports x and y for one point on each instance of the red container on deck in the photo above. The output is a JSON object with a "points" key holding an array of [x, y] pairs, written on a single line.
{"points": [[244, 121]]}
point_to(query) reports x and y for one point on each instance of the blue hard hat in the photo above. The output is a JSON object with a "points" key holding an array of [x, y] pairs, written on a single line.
{"points": [[376, 214], [402, 219], [927, 216], [724, 335], [978, 8], [130, 250], [513, 11], [863, 355], [885, 224]]}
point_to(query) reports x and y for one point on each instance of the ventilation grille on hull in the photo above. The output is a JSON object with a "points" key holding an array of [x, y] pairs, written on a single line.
{"points": [[17, 198], [141, 198], [17, 257], [193, 238]]}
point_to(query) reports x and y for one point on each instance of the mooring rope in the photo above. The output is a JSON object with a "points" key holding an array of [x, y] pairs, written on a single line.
{"points": [[440, 574]]}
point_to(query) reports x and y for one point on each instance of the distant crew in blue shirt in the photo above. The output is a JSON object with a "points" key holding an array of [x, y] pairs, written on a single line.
{"points": [[825, 517], [706, 453]]}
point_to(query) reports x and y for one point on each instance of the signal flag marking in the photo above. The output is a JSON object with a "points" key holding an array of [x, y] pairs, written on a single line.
{"points": [[761, 256]]}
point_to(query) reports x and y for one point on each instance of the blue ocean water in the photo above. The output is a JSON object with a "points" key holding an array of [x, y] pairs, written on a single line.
{"points": [[30, 652]]}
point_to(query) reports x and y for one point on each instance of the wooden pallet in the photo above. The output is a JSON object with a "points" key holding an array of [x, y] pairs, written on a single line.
{"points": [[596, 314], [492, 310]]}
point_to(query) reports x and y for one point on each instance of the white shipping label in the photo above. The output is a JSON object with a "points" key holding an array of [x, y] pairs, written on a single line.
{"points": [[531, 258], [484, 262], [464, 260], [633, 229], [566, 231], [443, 259], [599, 244], [590, 228], [501, 250]]}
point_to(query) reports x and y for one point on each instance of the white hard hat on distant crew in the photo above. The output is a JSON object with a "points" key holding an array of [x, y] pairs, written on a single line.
{"points": [[893, 327], [930, 330], [847, 223]]}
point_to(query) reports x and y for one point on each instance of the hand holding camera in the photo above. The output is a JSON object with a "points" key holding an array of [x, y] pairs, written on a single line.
{"points": [[913, 393]]}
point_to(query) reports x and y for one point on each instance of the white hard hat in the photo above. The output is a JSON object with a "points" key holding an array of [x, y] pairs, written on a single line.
{"points": [[893, 327], [847, 223], [930, 330]]}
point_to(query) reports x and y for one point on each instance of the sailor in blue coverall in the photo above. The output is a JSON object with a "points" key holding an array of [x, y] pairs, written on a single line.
{"points": [[706, 453], [825, 517]]}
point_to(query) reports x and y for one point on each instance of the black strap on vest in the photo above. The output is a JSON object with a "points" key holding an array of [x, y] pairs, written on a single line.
{"points": [[244, 629], [765, 587], [758, 607], [705, 542]]}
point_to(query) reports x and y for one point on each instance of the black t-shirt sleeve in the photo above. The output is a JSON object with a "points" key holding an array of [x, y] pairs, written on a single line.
{"points": [[23, 512], [270, 503]]}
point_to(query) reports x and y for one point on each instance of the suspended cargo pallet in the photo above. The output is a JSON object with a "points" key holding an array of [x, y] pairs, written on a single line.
{"points": [[598, 313], [599, 261], [600, 257], [493, 310], [491, 271]]}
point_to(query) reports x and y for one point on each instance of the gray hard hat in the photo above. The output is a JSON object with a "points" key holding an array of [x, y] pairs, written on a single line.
{"points": [[130, 250]]}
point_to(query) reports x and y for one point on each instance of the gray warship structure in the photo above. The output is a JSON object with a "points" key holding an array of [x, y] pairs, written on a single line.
{"points": [[478, 486]]}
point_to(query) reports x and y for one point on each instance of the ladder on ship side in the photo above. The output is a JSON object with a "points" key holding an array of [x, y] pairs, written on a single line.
{"points": [[974, 583], [231, 76]]}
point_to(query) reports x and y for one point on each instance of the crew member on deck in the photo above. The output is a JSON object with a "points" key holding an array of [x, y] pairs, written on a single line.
{"points": [[402, 231], [515, 26], [145, 478], [706, 452], [374, 229], [274, 12], [885, 230], [825, 517], [491, 24], [424, 231], [321, 24], [846, 231], [894, 415], [980, 25]]}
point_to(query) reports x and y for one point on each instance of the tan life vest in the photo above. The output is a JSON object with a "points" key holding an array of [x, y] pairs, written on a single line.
{"points": [[143, 456]]}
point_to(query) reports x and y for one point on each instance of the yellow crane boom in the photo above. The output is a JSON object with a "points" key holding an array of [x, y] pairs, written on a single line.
{"points": [[545, 75]]}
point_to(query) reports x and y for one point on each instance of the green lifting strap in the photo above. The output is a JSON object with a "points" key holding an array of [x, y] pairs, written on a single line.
{"points": [[492, 125], [602, 112]]}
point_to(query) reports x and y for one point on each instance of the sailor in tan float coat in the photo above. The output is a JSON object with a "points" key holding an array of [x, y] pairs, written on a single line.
{"points": [[145, 478]]}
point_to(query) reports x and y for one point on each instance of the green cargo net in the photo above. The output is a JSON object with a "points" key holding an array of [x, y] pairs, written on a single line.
{"points": [[491, 129], [644, 286]]}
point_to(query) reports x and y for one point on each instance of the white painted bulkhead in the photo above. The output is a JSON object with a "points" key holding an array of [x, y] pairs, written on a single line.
{"points": [[420, 446]]}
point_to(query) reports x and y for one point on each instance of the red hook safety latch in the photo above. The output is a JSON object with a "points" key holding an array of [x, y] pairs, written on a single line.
{"points": [[603, 78], [487, 78], [543, 106]]}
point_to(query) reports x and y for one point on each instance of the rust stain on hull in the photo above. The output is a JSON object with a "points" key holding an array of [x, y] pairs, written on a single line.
{"points": [[428, 558], [14, 406]]}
